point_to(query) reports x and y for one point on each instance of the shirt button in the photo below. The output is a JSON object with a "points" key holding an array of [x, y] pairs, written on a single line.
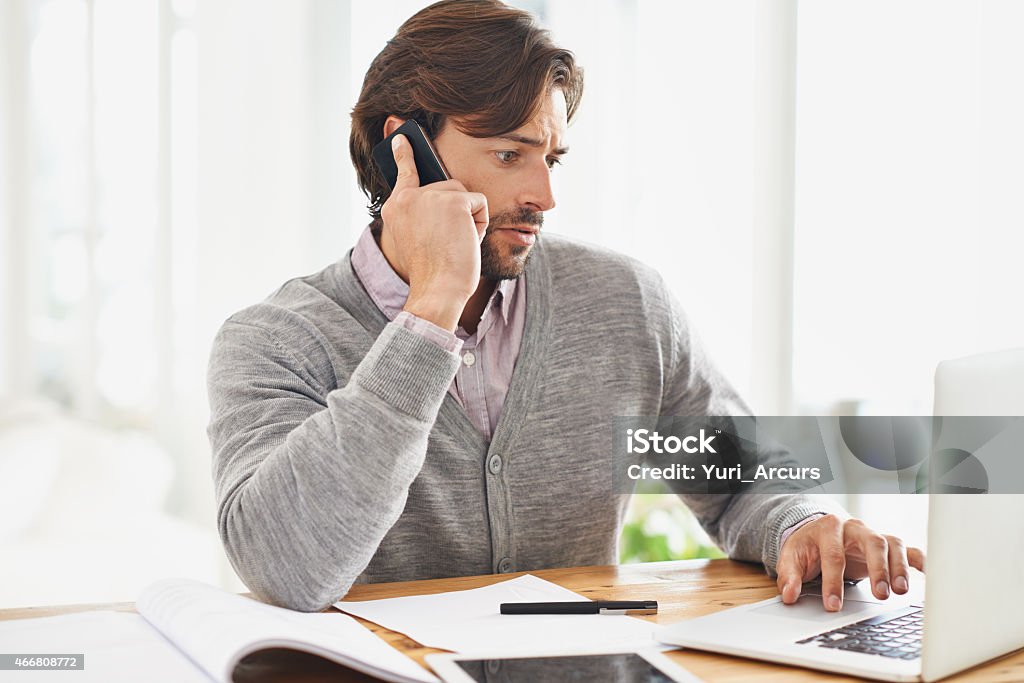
{"points": [[468, 359], [505, 566], [494, 464]]}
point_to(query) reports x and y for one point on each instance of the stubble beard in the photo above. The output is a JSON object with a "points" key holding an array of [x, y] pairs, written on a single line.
{"points": [[495, 265]]}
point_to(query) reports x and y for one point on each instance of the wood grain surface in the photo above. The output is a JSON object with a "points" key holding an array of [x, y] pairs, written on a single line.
{"points": [[683, 589]]}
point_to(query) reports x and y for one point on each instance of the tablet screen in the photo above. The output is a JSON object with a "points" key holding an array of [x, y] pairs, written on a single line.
{"points": [[620, 668]]}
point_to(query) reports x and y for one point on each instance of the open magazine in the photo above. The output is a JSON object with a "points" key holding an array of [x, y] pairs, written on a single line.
{"points": [[189, 631], [216, 629]]}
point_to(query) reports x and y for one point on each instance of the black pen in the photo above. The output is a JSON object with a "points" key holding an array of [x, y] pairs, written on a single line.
{"points": [[582, 607]]}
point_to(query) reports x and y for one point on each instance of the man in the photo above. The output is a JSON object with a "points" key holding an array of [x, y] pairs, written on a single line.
{"points": [[436, 403]]}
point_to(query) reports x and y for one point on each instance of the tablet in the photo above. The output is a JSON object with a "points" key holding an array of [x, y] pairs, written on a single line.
{"points": [[647, 666]]}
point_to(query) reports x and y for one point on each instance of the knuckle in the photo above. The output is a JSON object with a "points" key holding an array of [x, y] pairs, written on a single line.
{"points": [[854, 523], [831, 521], [396, 201], [896, 544], [441, 198], [833, 555]]}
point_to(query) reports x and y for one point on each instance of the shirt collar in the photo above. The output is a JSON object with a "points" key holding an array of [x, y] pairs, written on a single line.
{"points": [[389, 292], [506, 290]]}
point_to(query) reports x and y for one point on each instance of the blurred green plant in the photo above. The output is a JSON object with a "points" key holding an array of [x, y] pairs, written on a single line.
{"points": [[659, 527]]}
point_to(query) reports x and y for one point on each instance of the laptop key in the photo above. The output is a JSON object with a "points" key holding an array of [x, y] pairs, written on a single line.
{"points": [[895, 634], [884, 618], [854, 647], [840, 643]]}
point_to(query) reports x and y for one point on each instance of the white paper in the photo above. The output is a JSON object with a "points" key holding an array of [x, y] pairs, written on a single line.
{"points": [[217, 628], [469, 621], [118, 647]]}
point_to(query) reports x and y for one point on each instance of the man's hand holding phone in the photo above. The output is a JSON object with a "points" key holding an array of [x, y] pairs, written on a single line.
{"points": [[432, 234]]}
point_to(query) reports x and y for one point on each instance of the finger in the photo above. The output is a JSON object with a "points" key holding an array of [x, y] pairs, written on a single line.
{"points": [[478, 207], [451, 185], [833, 566], [899, 572], [790, 579], [916, 558], [407, 175], [875, 548]]}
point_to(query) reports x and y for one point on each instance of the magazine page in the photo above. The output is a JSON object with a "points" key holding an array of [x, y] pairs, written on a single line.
{"points": [[216, 629]]}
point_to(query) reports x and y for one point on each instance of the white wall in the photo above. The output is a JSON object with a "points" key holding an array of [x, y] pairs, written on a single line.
{"points": [[909, 220], [662, 164], [13, 190]]}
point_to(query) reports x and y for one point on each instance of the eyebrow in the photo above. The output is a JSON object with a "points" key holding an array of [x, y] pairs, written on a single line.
{"points": [[531, 142]]}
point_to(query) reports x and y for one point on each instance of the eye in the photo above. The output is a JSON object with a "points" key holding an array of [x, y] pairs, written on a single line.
{"points": [[507, 157], [552, 162]]}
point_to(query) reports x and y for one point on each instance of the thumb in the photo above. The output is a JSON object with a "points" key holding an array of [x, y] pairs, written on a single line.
{"points": [[791, 590], [407, 175], [790, 579], [916, 558]]}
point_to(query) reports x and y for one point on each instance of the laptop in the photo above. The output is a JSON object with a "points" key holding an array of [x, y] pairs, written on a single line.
{"points": [[975, 606]]}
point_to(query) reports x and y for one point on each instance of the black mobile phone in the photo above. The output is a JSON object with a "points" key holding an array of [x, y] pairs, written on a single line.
{"points": [[428, 165]]}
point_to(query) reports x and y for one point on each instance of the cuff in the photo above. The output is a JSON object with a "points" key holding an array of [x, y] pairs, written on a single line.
{"points": [[408, 372], [799, 510], [438, 335]]}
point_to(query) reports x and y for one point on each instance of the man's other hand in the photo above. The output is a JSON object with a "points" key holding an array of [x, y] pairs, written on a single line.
{"points": [[432, 237], [839, 549]]}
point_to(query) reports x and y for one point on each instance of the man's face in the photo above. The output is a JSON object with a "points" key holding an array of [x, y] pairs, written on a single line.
{"points": [[514, 173]]}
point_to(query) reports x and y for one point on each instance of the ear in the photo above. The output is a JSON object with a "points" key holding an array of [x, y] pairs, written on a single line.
{"points": [[391, 124]]}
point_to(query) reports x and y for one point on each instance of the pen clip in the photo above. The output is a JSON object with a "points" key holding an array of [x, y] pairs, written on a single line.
{"points": [[630, 611], [631, 607]]}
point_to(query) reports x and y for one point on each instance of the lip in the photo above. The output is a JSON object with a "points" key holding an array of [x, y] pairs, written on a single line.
{"points": [[522, 235], [532, 229]]}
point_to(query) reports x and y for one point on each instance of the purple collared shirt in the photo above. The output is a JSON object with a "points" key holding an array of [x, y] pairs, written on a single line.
{"points": [[488, 356]]}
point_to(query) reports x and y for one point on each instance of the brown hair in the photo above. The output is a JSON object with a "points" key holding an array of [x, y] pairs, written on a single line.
{"points": [[481, 62]]}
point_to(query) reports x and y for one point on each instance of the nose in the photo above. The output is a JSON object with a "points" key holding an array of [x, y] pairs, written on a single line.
{"points": [[536, 191]]}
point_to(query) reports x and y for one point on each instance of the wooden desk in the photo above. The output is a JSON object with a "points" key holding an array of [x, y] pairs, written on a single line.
{"points": [[683, 589]]}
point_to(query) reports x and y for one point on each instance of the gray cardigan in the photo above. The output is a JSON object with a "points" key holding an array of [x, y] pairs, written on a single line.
{"points": [[340, 457]]}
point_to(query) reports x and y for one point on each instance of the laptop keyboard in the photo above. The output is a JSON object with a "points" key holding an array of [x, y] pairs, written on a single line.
{"points": [[894, 634]]}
